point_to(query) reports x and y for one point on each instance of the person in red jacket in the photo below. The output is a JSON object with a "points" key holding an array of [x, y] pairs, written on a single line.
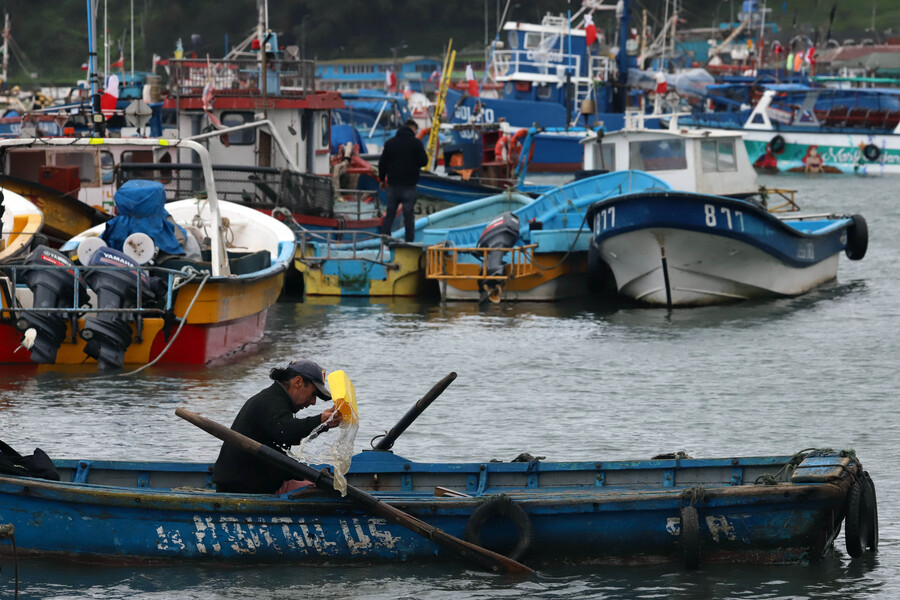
{"points": [[398, 169]]}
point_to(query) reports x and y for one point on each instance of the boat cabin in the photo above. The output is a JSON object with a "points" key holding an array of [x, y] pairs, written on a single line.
{"points": [[690, 160]]}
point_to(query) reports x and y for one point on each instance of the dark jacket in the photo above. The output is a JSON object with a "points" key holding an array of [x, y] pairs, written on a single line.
{"points": [[401, 159], [268, 418]]}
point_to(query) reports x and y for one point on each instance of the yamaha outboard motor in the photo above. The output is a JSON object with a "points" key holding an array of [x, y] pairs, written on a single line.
{"points": [[502, 232], [108, 334], [52, 288]]}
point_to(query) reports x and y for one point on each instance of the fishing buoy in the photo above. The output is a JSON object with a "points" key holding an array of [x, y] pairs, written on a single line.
{"points": [[140, 248], [87, 248]]}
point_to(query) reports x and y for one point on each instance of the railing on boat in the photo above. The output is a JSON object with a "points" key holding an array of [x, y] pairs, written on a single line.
{"points": [[189, 77], [788, 204], [340, 244], [442, 263], [12, 308]]}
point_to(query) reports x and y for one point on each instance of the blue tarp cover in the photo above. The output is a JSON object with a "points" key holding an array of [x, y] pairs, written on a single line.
{"points": [[141, 209]]}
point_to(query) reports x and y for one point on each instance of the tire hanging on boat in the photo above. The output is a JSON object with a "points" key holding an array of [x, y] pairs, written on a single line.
{"points": [[690, 537], [502, 506], [872, 152], [861, 525], [857, 238], [777, 144]]}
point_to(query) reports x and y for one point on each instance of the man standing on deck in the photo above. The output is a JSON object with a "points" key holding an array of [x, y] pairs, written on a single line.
{"points": [[398, 169], [268, 418]]}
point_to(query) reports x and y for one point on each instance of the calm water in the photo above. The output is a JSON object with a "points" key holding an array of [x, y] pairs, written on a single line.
{"points": [[574, 380]]}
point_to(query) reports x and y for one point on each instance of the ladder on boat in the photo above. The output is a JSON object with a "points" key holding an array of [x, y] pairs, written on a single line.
{"points": [[439, 105]]}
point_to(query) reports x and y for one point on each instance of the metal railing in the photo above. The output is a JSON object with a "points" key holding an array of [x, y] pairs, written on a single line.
{"points": [[189, 77], [442, 263], [341, 245]]}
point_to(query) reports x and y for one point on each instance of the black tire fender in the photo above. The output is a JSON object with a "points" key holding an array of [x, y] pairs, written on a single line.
{"points": [[857, 238], [861, 524], [502, 506], [777, 144], [690, 537], [872, 152]]}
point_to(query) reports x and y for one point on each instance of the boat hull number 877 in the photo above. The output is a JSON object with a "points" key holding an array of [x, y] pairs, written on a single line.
{"points": [[725, 219]]}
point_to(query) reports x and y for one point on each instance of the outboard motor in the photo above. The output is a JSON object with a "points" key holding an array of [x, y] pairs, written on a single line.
{"points": [[108, 334], [502, 232], [52, 288]]}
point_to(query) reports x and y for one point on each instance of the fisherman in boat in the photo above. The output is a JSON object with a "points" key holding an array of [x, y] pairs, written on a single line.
{"points": [[398, 169], [268, 418]]}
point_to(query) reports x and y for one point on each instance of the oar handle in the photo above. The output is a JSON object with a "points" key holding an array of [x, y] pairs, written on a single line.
{"points": [[387, 442], [484, 557]]}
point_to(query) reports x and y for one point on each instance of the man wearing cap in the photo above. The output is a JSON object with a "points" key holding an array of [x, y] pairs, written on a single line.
{"points": [[268, 418]]}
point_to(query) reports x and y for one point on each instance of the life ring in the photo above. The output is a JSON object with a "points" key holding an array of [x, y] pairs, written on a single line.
{"points": [[872, 152], [690, 537], [861, 525], [777, 144], [502, 149], [502, 506], [515, 146], [857, 238]]}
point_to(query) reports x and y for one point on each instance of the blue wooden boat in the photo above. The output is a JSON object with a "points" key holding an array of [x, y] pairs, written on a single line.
{"points": [[686, 249], [771, 509], [545, 256]]}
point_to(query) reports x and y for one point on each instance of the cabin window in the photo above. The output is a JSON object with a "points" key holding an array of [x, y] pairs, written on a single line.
{"points": [[508, 88], [243, 137], [513, 40], [87, 170], [164, 176], [607, 157], [532, 40], [324, 141], [544, 91], [657, 155], [107, 167], [717, 156]]}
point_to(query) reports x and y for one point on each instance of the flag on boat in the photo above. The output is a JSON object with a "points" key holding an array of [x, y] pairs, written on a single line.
{"points": [[119, 64], [590, 30], [207, 101], [390, 80], [110, 96], [810, 56], [661, 85], [471, 82], [435, 76]]}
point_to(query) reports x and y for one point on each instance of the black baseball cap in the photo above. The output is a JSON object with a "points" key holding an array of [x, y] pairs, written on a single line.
{"points": [[312, 372]]}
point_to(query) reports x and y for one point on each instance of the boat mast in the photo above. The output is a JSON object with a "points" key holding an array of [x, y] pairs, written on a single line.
{"points": [[96, 115], [5, 46], [620, 93]]}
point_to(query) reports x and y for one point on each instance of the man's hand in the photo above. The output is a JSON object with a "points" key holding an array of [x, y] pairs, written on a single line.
{"points": [[331, 417]]}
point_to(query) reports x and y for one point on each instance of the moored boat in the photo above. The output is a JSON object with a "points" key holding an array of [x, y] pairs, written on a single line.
{"points": [[768, 509], [685, 249], [152, 297], [20, 221]]}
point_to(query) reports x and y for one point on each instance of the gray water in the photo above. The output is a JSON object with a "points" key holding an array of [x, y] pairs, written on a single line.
{"points": [[581, 380]]}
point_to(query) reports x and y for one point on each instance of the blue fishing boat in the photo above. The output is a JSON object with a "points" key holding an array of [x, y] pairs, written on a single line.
{"points": [[342, 263], [673, 248], [555, 74], [769, 509], [537, 252]]}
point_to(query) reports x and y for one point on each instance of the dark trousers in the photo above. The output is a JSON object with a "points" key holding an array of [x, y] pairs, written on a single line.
{"points": [[397, 195]]}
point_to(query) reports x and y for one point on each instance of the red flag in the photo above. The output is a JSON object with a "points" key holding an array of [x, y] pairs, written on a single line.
{"points": [[661, 85], [810, 56], [590, 30], [110, 96], [471, 82]]}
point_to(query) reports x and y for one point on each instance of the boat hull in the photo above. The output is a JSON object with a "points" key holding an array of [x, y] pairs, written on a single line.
{"points": [[840, 152], [397, 274], [683, 249], [224, 317], [558, 277], [609, 512]]}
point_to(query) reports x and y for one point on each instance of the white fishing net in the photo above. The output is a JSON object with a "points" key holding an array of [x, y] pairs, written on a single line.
{"points": [[330, 447]]}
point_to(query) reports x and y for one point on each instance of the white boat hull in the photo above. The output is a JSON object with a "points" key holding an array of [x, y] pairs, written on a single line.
{"points": [[737, 271]]}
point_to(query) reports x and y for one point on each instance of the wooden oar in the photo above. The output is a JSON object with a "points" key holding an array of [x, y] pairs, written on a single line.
{"points": [[491, 560], [387, 442]]}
